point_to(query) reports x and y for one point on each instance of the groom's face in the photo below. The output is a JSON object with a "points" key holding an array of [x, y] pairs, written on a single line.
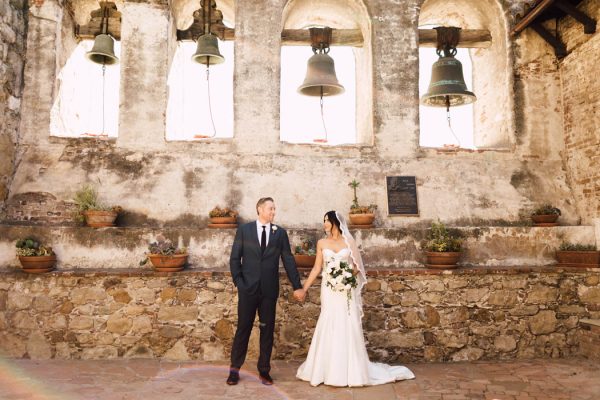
{"points": [[266, 211]]}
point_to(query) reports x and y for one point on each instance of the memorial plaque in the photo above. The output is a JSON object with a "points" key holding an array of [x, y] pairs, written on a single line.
{"points": [[402, 195]]}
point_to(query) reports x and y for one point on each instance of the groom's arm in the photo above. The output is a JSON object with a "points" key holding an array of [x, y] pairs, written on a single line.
{"points": [[289, 263], [235, 259]]}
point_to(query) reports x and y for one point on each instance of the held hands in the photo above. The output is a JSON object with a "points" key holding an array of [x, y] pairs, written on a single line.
{"points": [[300, 295]]}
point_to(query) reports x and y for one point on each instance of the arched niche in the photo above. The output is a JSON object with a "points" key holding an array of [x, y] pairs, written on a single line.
{"points": [[342, 14], [492, 70]]}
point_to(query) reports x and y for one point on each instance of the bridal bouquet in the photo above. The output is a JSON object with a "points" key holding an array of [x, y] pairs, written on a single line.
{"points": [[340, 277]]}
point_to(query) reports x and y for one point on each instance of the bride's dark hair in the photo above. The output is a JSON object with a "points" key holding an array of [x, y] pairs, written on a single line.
{"points": [[333, 219]]}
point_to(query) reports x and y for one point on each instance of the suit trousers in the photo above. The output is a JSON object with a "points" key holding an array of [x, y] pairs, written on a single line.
{"points": [[248, 305]]}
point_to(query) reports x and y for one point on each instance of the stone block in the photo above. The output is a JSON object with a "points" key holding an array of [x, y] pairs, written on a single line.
{"points": [[79, 322], [224, 329], [542, 323], [19, 301], [171, 332], [99, 353], [542, 295], [141, 324], [177, 353], [505, 343], [118, 324], [38, 347], [177, 313], [87, 295]]}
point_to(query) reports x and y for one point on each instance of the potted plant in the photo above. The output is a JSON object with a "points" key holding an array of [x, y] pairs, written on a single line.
{"points": [[90, 210], [442, 248], [165, 256], [34, 257], [581, 255], [361, 216], [305, 254], [222, 218], [545, 215]]}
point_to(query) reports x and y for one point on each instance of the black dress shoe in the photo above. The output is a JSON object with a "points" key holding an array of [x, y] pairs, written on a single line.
{"points": [[233, 378], [265, 378]]}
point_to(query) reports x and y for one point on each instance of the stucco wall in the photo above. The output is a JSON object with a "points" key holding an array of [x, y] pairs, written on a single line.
{"points": [[169, 182], [12, 57]]}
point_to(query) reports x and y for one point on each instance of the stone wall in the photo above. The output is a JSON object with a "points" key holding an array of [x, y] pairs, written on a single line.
{"points": [[12, 58], [581, 97], [416, 315]]}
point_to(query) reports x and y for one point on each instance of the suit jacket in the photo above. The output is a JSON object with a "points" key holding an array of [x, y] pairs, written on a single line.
{"points": [[252, 270]]}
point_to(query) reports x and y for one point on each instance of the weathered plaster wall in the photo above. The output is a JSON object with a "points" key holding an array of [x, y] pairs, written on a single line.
{"points": [[12, 58], [162, 183], [581, 97], [86, 248], [464, 315]]}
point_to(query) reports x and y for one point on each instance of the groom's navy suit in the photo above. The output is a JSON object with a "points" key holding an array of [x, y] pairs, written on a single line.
{"points": [[256, 275]]}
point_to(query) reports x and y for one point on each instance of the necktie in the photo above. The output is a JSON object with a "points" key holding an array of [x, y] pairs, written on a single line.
{"points": [[263, 240]]}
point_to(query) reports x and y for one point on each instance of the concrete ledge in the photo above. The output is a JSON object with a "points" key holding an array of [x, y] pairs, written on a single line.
{"points": [[82, 247]]}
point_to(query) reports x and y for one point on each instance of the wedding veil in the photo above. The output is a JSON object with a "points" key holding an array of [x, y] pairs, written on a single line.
{"points": [[356, 258]]}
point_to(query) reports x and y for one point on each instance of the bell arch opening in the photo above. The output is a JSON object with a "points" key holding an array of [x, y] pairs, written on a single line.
{"points": [[200, 99], [347, 118], [492, 80]]}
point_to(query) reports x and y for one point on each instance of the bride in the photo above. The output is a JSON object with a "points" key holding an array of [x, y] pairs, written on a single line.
{"points": [[337, 354]]}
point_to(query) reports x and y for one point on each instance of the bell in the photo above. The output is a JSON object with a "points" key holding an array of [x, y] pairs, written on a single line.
{"points": [[207, 51], [447, 86], [103, 50], [320, 77]]}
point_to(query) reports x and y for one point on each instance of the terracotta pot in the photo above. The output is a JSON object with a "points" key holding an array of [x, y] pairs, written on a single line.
{"points": [[362, 219], [223, 222], [37, 264], [578, 258], [304, 260], [99, 219], [541, 220], [444, 260], [170, 263]]}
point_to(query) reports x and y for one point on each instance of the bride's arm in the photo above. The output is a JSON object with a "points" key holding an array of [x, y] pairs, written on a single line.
{"points": [[316, 270]]}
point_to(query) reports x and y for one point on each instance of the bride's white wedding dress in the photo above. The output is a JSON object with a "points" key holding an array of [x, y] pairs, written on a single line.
{"points": [[337, 354]]}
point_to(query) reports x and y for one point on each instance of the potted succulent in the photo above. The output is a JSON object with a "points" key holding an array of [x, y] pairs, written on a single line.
{"points": [[442, 247], [305, 254], [90, 210], [584, 255], [222, 218], [165, 256], [361, 216], [545, 215], [34, 257]]}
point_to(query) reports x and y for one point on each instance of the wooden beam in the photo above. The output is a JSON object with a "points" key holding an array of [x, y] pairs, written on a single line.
{"points": [[472, 38], [531, 16], [94, 27], [339, 37], [559, 48], [589, 24], [469, 38]]}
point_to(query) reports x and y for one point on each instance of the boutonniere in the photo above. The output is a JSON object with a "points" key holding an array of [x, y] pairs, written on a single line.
{"points": [[273, 228]]}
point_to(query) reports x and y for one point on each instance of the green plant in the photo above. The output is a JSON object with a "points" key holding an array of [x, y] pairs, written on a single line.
{"points": [[29, 247], [86, 199], [355, 208], [163, 247], [222, 212], [546, 209], [566, 246], [440, 239], [306, 248]]}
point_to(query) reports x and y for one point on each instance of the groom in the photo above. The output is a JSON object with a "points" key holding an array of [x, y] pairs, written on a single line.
{"points": [[254, 265]]}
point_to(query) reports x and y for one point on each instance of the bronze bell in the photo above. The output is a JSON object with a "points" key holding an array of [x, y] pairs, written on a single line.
{"points": [[207, 52], [447, 86], [320, 77], [103, 51]]}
